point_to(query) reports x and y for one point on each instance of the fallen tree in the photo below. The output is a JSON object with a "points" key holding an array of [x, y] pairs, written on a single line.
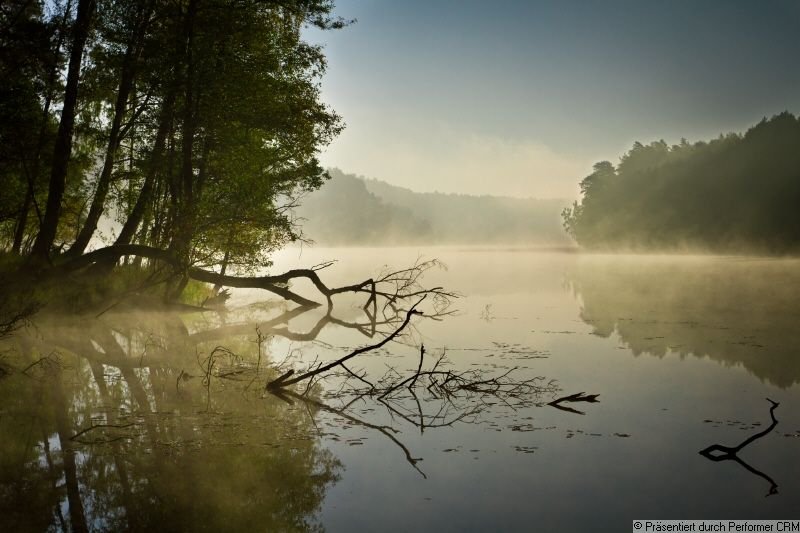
{"points": [[394, 287], [430, 394]]}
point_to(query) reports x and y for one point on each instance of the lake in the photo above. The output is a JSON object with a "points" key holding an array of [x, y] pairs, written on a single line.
{"points": [[142, 420]]}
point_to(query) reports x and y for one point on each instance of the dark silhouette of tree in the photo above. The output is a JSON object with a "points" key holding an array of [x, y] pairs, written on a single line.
{"points": [[736, 192], [63, 142], [196, 124]]}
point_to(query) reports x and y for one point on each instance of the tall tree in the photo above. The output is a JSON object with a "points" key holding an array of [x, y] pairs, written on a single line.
{"points": [[134, 17], [196, 123], [30, 60], [63, 142]]}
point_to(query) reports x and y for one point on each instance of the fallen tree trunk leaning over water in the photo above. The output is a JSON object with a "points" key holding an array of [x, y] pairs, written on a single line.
{"points": [[394, 287]]}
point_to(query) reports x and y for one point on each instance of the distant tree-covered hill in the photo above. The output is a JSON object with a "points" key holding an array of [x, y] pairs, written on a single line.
{"points": [[351, 210], [734, 193], [343, 211]]}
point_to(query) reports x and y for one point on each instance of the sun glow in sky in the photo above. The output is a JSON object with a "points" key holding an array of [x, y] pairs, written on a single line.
{"points": [[521, 98]]}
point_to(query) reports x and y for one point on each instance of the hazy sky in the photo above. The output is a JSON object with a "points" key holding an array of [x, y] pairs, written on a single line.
{"points": [[521, 98]]}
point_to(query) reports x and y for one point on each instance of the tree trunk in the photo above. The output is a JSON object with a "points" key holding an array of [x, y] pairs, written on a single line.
{"points": [[22, 220], [135, 218], [30, 194], [181, 238], [63, 144], [114, 139], [76, 513], [223, 269]]}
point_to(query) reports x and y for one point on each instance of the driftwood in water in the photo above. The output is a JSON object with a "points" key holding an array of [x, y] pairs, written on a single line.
{"points": [[430, 396], [437, 381], [577, 397], [718, 452], [459, 395]]}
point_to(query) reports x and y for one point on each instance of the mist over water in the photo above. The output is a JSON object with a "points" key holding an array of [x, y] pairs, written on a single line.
{"points": [[681, 350], [738, 311], [409, 266], [355, 211]]}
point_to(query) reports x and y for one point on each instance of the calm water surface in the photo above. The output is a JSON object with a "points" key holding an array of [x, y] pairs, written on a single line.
{"points": [[683, 352]]}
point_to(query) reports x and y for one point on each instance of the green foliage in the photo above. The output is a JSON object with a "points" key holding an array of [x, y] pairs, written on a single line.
{"points": [[214, 105], [196, 292], [262, 124], [26, 58], [734, 193]]}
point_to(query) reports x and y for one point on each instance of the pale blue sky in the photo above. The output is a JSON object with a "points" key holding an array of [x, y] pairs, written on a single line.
{"points": [[520, 98]]}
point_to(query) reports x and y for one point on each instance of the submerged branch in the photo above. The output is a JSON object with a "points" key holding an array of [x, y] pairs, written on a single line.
{"points": [[570, 398], [285, 380], [730, 453], [460, 395], [99, 426], [727, 451]]}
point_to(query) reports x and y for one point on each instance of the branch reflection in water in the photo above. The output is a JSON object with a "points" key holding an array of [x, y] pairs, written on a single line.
{"points": [[137, 420], [108, 425], [718, 452]]}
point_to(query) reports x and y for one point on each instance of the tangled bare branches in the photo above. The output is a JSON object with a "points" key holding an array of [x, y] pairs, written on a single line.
{"points": [[393, 287], [286, 379], [436, 396], [458, 394]]}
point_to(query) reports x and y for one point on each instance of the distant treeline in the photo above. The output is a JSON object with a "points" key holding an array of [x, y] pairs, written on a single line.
{"points": [[734, 193], [351, 210]]}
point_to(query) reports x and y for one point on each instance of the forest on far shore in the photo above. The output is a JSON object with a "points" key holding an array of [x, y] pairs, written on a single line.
{"points": [[349, 210], [736, 193]]}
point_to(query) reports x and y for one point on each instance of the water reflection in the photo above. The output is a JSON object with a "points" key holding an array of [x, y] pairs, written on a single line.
{"points": [[720, 452], [734, 311], [162, 447], [137, 420], [110, 424]]}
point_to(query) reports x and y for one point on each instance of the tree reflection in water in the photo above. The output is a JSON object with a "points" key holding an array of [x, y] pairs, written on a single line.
{"points": [[736, 311], [104, 427], [157, 420]]}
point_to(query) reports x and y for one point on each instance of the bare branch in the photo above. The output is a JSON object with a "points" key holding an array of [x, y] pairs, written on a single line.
{"points": [[284, 380], [730, 453]]}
